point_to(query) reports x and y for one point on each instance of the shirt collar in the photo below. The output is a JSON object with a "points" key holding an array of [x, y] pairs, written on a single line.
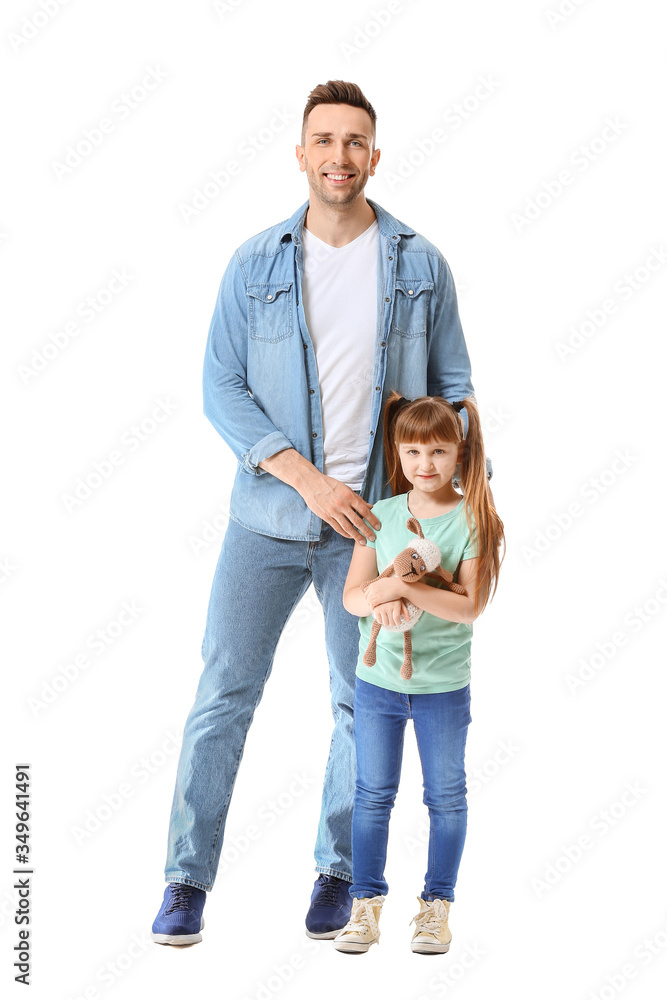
{"points": [[389, 226]]}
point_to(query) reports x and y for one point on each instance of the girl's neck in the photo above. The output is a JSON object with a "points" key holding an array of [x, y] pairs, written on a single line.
{"points": [[432, 504]]}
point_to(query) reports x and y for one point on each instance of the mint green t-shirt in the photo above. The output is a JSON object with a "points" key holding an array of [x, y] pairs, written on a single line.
{"points": [[440, 648]]}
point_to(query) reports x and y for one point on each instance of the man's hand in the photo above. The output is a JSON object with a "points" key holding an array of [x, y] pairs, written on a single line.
{"points": [[327, 497], [387, 588], [390, 613], [339, 506]]}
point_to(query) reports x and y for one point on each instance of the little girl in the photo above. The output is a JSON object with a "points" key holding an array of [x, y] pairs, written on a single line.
{"points": [[424, 443]]}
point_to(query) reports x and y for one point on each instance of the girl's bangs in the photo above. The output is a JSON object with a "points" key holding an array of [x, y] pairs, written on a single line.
{"points": [[427, 424]]}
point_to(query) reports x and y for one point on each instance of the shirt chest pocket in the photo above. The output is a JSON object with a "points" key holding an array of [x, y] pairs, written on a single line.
{"points": [[270, 310], [411, 306]]}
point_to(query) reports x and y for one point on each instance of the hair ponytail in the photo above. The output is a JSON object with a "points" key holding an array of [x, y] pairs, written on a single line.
{"points": [[430, 418], [395, 403], [486, 528]]}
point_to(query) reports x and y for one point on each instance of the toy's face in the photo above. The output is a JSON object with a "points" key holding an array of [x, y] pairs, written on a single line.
{"points": [[409, 565]]}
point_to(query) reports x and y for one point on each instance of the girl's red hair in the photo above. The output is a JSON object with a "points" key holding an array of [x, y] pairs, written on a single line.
{"points": [[432, 418]]}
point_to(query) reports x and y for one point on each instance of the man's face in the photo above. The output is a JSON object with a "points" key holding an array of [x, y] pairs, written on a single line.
{"points": [[337, 154]]}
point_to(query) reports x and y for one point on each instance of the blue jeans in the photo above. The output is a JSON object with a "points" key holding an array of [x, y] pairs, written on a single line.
{"points": [[441, 727], [258, 582]]}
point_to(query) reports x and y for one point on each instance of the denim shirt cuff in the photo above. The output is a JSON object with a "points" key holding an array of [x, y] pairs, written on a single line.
{"points": [[265, 448], [456, 478]]}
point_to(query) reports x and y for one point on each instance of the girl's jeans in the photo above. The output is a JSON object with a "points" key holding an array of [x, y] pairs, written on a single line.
{"points": [[258, 582], [441, 727]]}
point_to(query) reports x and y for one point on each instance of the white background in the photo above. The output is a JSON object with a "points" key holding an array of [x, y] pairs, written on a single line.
{"points": [[550, 766]]}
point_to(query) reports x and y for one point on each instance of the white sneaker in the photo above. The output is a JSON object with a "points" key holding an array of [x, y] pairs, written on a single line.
{"points": [[432, 933], [361, 930]]}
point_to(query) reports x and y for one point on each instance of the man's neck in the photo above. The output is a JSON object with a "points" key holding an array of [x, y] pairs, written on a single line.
{"points": [[338, 226]]}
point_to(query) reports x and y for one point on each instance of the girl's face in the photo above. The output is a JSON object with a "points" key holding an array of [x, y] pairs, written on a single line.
{"points": [[429, 467]]}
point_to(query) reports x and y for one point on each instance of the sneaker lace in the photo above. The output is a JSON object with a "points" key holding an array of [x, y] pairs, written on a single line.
{"points": [[364, 916], [430, 919], [329, 892], [181, 896]]}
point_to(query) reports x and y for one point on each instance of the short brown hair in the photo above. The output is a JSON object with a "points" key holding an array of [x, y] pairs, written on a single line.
{"points": [[337, 92]]}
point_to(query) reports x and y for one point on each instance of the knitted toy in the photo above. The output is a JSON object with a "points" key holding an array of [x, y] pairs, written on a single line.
{"points": [[420, 559]]}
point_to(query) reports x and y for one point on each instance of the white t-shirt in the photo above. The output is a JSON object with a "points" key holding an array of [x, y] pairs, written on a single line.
{"points": [[340, 304]]}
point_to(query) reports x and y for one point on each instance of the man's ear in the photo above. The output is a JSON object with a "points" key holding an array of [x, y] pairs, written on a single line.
{"points": [[299, 155]]}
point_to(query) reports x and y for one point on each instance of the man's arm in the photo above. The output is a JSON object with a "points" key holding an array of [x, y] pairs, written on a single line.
{"points": [[257, 443], [363, 567], [327, 497], [448, 360], [227, 402]]}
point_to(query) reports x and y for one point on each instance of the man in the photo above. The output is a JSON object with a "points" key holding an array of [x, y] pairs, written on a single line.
{"points": [[316, 320]]}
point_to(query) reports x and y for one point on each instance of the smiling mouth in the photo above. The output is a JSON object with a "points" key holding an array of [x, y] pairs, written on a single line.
{"points": [[338, 178]]}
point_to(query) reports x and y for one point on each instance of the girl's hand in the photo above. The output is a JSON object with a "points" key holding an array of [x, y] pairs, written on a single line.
{"points": [[389, 588], [390, 613]]}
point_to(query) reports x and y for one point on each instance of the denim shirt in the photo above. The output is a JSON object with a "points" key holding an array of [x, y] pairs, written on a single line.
{"points": [[261, 390]]}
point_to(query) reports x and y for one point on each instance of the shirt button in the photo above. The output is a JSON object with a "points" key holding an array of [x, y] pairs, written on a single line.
{"points": [[394, 237], [383, 343], [314, 434], [312, 391], [377, 388], [390, 258], [269, 297], [372, 433], [387, 300], [410, 291]]}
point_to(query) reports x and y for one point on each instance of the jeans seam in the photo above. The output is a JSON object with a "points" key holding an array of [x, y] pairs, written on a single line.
{"points": [[430, 859], [185, 880], [325, 870], [250, 719], [431, 851]]}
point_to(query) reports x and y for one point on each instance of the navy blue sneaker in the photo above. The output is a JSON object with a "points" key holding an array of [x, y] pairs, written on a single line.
{"points": [[330, 906], [180, 918]]}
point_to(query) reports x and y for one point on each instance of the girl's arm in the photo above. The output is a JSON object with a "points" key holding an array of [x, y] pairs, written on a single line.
{"points": [[443, 603], [363, 567], [388, 607]]}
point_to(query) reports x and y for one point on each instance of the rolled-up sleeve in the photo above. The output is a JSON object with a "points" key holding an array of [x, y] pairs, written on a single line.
{"points": [[228, 402]]}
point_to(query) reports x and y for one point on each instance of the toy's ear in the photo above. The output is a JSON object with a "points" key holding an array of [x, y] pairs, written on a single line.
{"points": [[414, 525]]}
